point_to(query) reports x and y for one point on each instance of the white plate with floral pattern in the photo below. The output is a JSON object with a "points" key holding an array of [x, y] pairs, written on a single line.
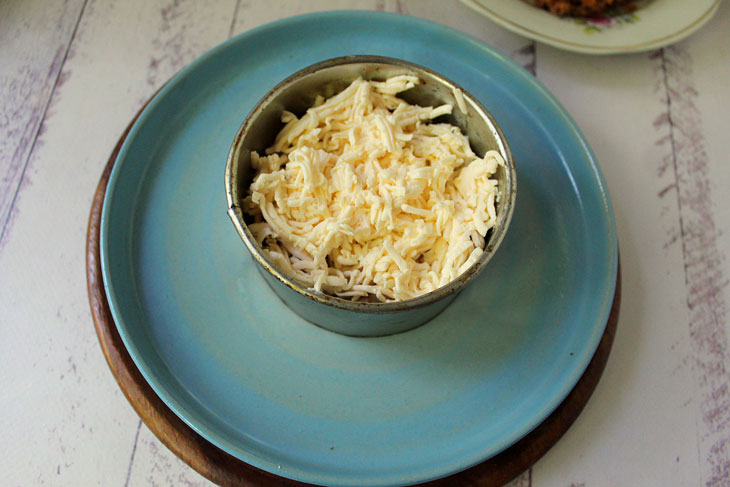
{"points": [[653, 24]]}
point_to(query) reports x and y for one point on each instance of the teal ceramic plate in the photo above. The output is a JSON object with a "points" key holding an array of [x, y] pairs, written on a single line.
{"points": [[251, 377]]}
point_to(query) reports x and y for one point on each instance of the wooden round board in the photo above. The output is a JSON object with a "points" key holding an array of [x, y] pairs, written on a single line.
{"points": [[226, 470]]}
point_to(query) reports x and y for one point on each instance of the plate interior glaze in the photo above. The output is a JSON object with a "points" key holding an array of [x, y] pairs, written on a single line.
{"points": [[253, 378], [655, 23]]}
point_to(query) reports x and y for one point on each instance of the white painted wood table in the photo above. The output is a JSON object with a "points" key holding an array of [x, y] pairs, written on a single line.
{"points": [[74, 72]]}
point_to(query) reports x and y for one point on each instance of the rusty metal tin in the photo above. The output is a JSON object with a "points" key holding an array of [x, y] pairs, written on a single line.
{"points": [[296, 94]]}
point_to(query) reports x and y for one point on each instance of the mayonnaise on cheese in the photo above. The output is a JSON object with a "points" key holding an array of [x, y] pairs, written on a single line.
{"points": [[363, 196]]}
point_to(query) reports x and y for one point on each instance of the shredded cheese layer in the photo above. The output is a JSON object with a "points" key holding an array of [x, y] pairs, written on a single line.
{"points": [[362, 196]]}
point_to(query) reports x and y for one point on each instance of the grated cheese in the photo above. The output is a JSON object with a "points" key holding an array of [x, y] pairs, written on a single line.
{"points": [[362, 196]]}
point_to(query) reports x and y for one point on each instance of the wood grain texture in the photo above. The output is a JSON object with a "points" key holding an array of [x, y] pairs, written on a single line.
{"points": [[226, 470], [31, 68], [688, 166]]}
